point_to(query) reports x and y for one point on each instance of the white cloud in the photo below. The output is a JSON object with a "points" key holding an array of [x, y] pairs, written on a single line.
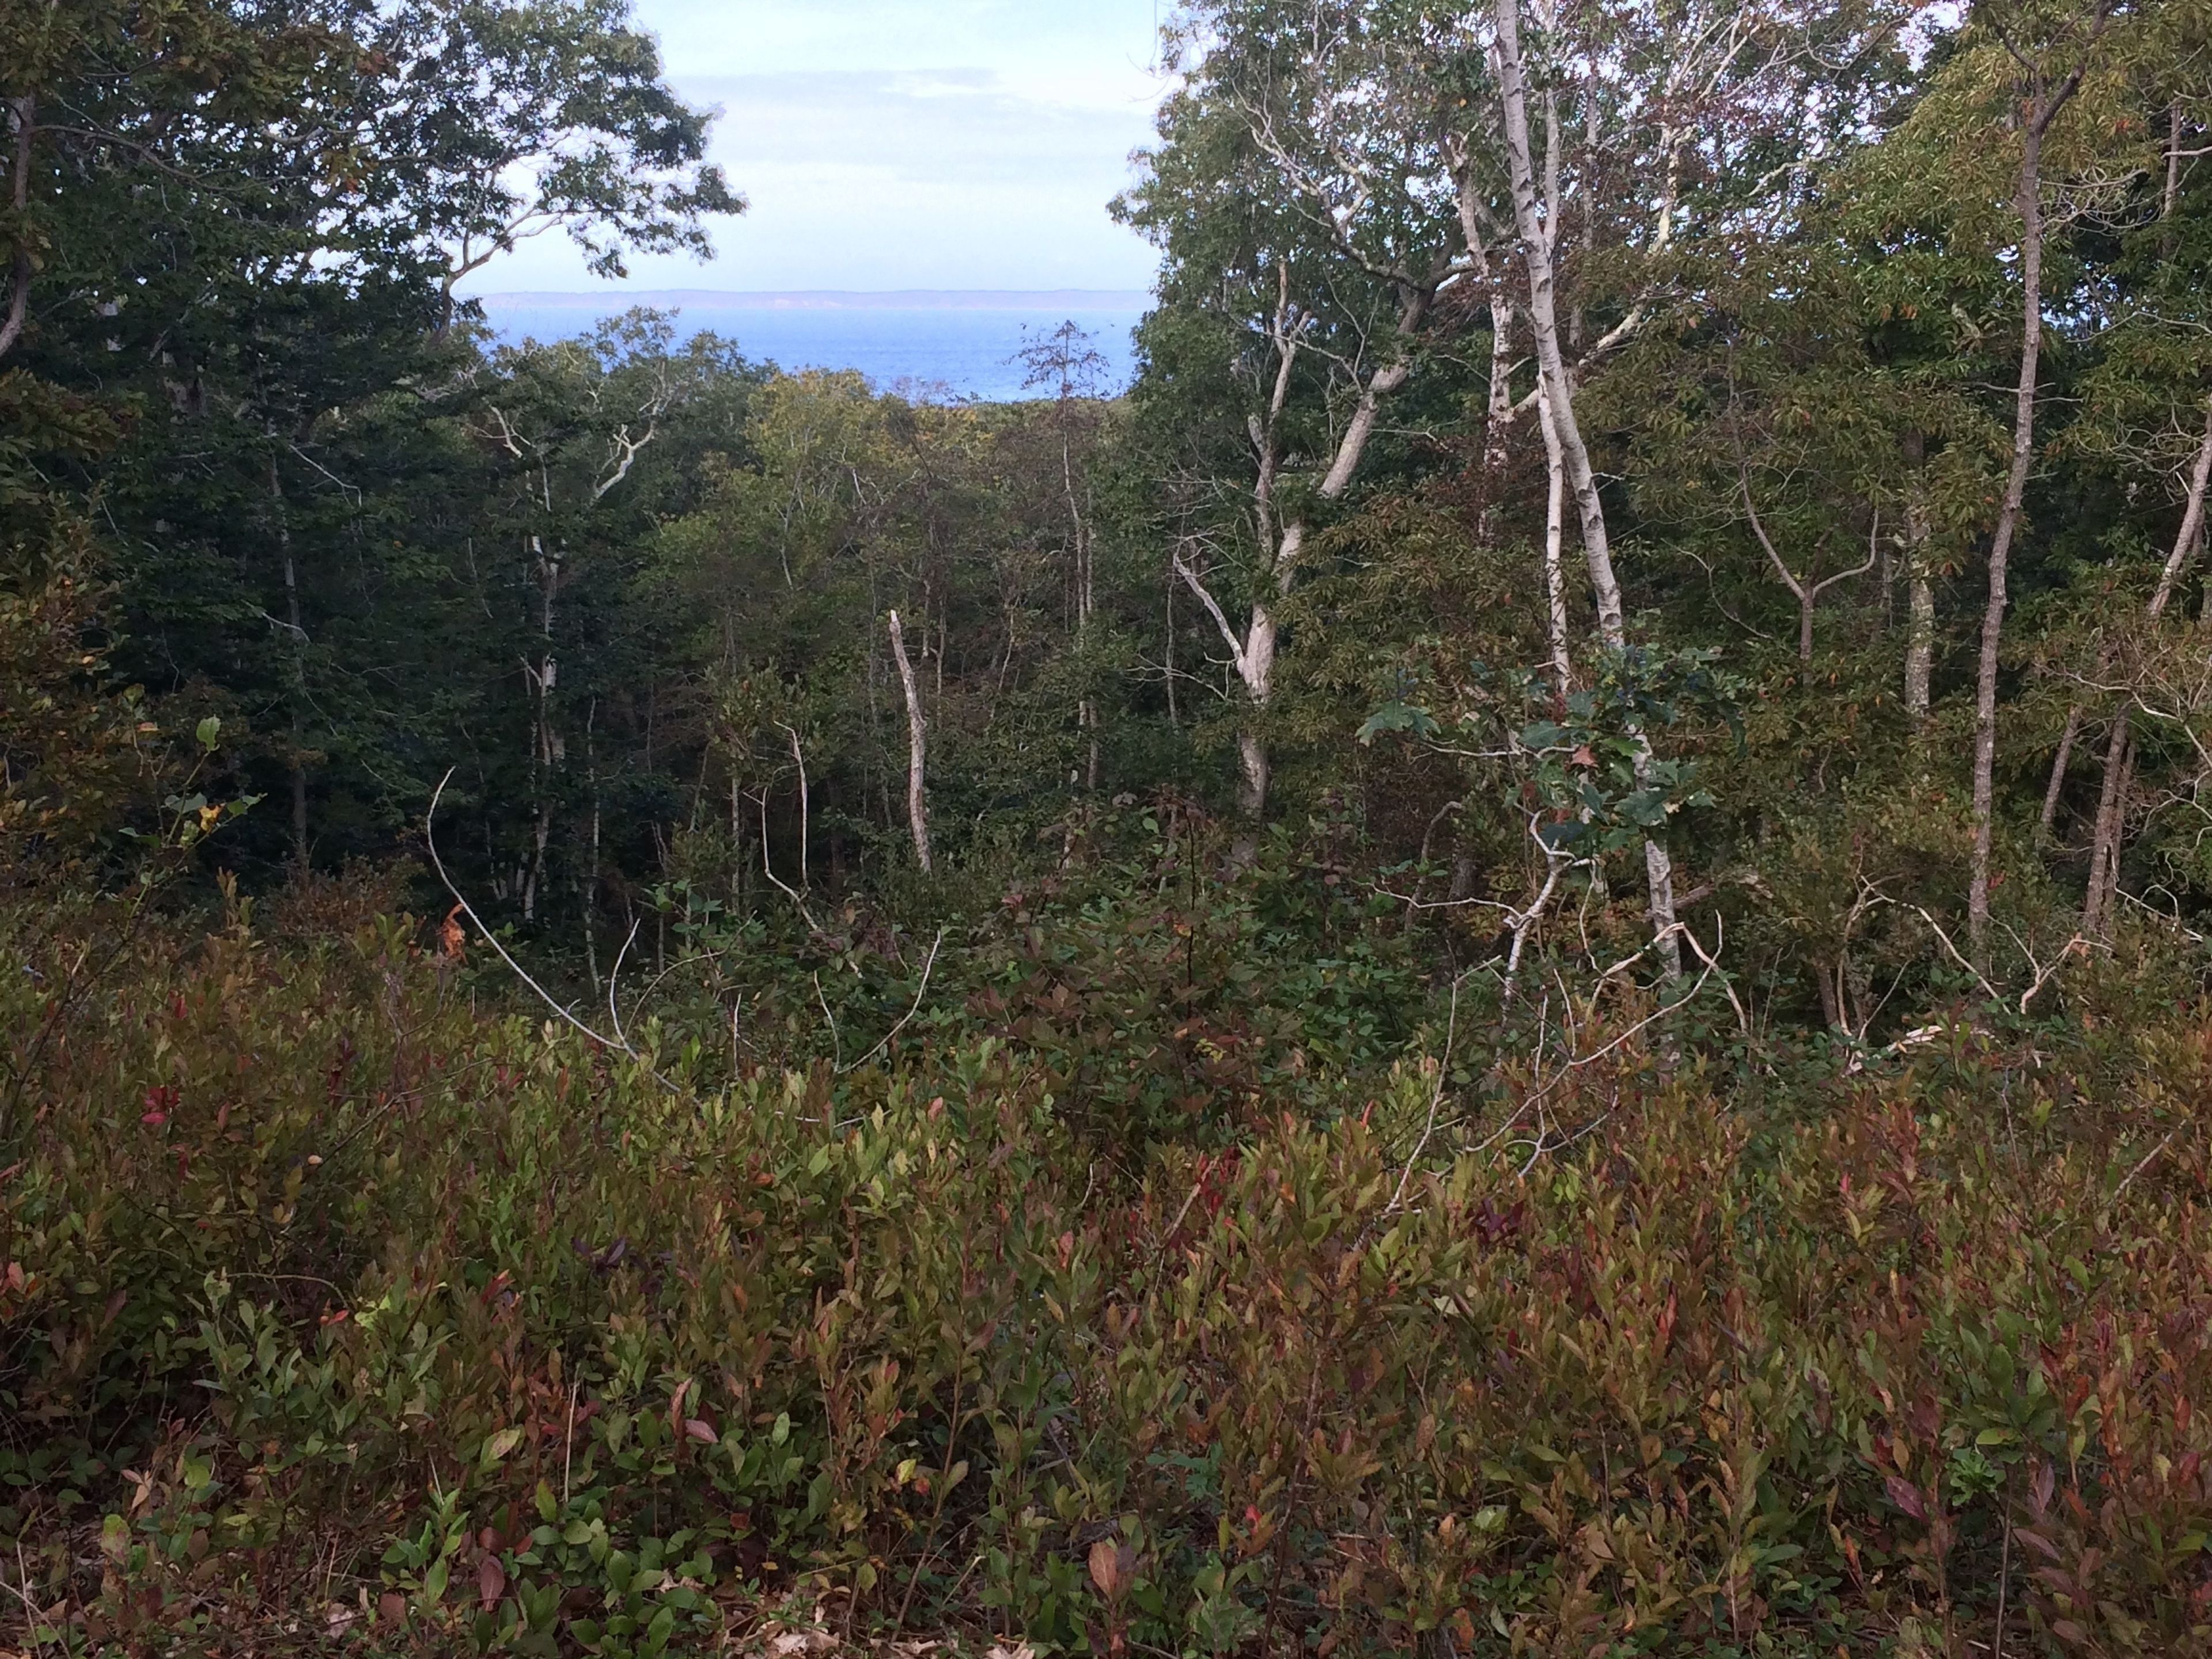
{"points": [[904, 144]]}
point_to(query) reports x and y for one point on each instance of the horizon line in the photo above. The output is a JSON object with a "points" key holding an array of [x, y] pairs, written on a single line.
{"points": [[910, 299]]}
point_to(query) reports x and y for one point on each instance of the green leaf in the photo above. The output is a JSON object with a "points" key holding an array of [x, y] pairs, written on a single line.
{"points": [[1398, 717]]}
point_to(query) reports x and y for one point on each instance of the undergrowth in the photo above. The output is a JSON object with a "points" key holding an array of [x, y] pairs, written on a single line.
{"points": [[342, 1305]]}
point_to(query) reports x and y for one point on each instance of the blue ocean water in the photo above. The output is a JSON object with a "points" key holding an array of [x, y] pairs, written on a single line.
{"points": [[934, 351]]}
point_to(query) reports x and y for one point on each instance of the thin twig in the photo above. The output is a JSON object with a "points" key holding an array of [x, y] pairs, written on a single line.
{"points": [[430, 842], [921, 991], [614, 978], [1436, 1097], [2148, 1159], [836, 1043], [568, 1442]]}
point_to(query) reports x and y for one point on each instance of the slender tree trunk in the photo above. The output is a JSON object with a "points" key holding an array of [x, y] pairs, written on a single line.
{"points": [[546, 748], [1175, 719], [1086, 602], [23, 114], [2105, 843], [1256, 668], [1919, 635], [2192, 523], [2042, 108], [1252, 758], [917, 801], [1498, 415], [591, 894], [298, 639], [1588, 218], [2023, 457], [2119, 750], [1559, 393], [1253, 652], [1555, 575], [1256, 663], [805, 831], [1478, 232], [2171, 197], [2059, 762], [1919, 585], [737, 843], [1830, 984]]}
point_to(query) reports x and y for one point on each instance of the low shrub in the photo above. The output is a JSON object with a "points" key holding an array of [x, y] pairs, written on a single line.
{"points": [[335, 1301]]}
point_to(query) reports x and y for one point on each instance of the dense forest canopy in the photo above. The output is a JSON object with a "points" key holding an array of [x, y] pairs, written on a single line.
{"points": [[1762, 407], [1626, 688]]}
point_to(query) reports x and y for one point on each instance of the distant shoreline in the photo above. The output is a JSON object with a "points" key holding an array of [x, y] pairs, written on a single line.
{"points": [[918, 299]]}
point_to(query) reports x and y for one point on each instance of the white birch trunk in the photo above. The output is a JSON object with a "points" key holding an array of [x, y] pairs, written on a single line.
{"points": [[1252, 648], [2009, 514], [1555, 575], [2097, 906], [1558, 394], [917, 800]]}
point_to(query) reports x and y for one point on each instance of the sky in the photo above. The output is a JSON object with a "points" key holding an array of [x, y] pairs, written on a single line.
{"points": [[901, 144]]}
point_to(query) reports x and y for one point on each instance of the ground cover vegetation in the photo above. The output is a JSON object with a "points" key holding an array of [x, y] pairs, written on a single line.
{"points": [[1511, 962]]}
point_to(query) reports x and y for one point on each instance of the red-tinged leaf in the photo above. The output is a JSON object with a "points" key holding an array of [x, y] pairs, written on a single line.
{"points": [[1907, 1497], [155, 1117], [2067, 1631], [1106, 1568], [699, 1429], [491, 1580], [2036, 1541]]}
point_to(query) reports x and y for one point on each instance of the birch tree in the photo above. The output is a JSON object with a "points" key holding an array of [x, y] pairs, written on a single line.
{"points": [[1537, 257], [1308, 219], [2048, 73]]}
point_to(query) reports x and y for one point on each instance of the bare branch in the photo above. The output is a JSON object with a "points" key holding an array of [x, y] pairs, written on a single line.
{"points": [[430, 843]]}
